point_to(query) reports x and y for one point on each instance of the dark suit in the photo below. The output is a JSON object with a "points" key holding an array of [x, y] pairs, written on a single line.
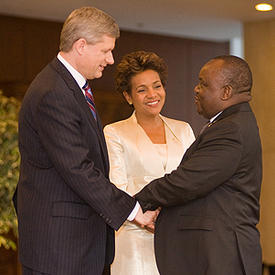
{"points": [[67, 208], [210, 204]]}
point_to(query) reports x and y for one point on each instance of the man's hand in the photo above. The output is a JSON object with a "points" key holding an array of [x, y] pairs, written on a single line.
{"points": [[146, 219]]}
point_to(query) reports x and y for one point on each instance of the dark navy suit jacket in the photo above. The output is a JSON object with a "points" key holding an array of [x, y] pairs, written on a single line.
{"points": [[67, 208]]}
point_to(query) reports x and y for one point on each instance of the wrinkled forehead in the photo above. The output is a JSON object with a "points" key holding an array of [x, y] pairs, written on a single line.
{"points": [[214, 72], [213, 67]]}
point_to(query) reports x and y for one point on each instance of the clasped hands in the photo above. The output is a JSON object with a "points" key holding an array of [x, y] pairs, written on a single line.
{"points": [[146, 219]]}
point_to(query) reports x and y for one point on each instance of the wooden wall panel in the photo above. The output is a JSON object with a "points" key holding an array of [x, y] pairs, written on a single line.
{"points": [[184, 57], [26, 46], [41, 45], [259, 38], [11, 50], [30, 44]]}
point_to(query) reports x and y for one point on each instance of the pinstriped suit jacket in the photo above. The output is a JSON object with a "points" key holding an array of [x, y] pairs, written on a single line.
{"points": [[67, 208]]}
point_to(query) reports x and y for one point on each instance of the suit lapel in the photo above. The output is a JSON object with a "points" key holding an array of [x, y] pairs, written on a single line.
{"points": [[103, 144], [148, 152], [241, 107], [95, 124], [73, 86], [146, 148], [173, 146]]}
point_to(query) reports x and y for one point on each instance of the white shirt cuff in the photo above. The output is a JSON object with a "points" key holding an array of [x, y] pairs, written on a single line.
{"points": [[134, 212]]}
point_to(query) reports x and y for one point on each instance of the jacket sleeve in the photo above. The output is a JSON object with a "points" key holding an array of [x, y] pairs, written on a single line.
{"points": [[59, 126], [213, 159], [118, 172]]}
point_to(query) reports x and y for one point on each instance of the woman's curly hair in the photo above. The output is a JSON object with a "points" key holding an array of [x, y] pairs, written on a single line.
{"points": [[135, 63]]}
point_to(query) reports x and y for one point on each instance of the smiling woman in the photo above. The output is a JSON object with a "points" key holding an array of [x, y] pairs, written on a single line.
{"points": [[148, 97], [141, 77], [141, 148]]}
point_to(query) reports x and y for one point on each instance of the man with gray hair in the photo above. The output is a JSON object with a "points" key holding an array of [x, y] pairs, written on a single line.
{"points": [[67, 208]]}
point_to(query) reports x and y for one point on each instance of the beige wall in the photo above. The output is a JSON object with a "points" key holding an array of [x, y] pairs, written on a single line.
{"points": [[260, 54]]}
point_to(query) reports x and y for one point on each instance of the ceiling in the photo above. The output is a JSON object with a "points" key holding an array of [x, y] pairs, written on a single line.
{"points": [[218, 20]]}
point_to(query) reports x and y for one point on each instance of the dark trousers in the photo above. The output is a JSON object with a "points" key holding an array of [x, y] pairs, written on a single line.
{"points": [[28, 271], [106, 270], [270, 269]]}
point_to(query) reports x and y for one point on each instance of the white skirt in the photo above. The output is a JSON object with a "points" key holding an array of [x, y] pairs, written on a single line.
{"points": [[134, 251]]}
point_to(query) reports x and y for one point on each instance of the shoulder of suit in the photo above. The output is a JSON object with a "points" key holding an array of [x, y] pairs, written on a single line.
{"points": [[174, 122], [180, 129], [120, 125]]}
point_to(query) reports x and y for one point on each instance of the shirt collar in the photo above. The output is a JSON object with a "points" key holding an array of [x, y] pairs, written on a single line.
{"points": [[214, 117], [75, 74]]}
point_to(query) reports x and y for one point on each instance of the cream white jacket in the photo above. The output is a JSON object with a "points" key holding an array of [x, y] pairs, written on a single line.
{"points": [[134, 160]]}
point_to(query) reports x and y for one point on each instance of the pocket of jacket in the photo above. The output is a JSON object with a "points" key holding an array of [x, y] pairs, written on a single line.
{"points": [[195, 222], [71, 210]]}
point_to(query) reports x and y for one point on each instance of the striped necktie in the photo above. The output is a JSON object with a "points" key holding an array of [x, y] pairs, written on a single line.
{"points": [[90, 98]]}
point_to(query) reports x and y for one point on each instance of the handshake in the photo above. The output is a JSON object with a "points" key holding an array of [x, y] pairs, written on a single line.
{"points": [[147, 219]]}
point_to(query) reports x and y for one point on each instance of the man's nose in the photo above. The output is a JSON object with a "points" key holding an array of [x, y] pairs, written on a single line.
{"points": [[110, 58], [196, 88]]}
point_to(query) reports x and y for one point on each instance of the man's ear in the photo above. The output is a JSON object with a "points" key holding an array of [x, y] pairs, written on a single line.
{"points": [[128, 98], [79, 45], [227, 92]]}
